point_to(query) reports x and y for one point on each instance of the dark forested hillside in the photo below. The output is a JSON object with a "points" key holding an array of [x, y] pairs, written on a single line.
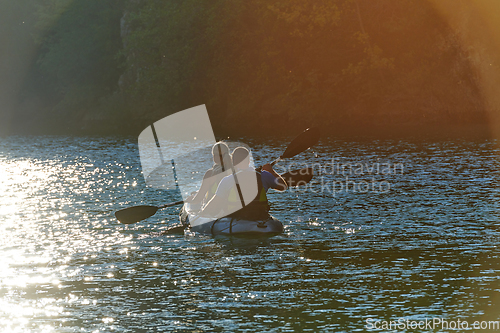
{"points": [[76, 67], [261, 66]]}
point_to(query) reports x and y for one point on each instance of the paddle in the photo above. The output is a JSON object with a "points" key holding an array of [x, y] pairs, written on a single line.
{"points": [[303, 141], [298, 177], [138, 213]]}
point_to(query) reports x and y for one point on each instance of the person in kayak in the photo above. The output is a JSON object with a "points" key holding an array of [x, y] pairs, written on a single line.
{"points": [[212, 177], [243, 194]]}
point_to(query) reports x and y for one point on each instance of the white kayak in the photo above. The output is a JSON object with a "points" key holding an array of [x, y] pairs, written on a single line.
{"points": [[229, 226]]}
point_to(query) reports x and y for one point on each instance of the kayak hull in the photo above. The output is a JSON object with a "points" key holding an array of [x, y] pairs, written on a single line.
{"points": [[229, 226]]}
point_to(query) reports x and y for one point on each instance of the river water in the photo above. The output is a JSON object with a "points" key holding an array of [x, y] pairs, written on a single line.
{"points": [[386, 230]]}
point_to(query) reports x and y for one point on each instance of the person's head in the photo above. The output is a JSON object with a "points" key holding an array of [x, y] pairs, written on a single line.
{"points": [[220, 152], [241, 157]]}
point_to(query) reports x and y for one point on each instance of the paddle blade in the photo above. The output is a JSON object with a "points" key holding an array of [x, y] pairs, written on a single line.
{"points": [[303, 141], [298, 177], [135, 214]]}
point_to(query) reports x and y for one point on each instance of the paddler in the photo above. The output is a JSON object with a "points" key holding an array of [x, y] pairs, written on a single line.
{"points": [[211, 179], [243, 194]]}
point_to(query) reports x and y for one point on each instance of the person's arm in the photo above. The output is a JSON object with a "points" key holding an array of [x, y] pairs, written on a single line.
{"points": [[213, 207], [216, 204], [204, 188], [279, 183]]}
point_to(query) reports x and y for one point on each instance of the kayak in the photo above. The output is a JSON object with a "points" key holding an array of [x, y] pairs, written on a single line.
{"points": [[229, 226]]}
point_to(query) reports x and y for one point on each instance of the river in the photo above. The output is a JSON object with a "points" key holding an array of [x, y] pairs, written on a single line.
{"points": [[394, 230]]}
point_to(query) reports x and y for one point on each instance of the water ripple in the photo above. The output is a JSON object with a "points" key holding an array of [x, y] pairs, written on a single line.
{"points": [[426, 248]]}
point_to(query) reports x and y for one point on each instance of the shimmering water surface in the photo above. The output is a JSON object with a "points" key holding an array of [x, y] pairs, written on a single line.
{"points": [[427, 247]]}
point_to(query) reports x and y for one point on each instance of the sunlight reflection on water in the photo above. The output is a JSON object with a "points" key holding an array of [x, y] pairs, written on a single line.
{"points": [[427, 248]]}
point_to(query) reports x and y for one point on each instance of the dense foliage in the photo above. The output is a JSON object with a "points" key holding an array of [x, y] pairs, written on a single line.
{"points": [[260, 65], [77, 64]]}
